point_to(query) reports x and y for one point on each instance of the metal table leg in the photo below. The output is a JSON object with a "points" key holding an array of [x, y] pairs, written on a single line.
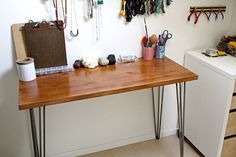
{"points": [[34, 133], [180, 94], [44, 132], [39, 148], [40, 133], [154, 112], [157, 120]]}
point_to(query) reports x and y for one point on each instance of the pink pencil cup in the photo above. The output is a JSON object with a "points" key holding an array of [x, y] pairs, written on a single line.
{"points": [[148, 53]]}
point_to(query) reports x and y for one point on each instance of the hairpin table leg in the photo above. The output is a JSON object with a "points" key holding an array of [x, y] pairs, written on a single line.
{"points": [[180, 94], [44, 131], [34, 133], [39, 148], [160, 106], [40, 133], [154, 112], [157, 120]]}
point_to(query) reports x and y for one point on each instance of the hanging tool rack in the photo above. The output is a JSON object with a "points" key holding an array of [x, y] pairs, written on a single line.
{"points": [[208, 8], [131, 8], [197, 11]]}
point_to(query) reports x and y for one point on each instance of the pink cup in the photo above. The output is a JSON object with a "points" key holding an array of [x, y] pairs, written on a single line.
{"points": [[148, 53]]}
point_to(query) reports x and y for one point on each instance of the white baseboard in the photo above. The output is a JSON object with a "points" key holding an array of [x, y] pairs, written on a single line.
{"points": [[114, 144]]}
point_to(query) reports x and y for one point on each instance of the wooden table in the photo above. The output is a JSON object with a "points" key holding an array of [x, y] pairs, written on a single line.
{"points": [[87, 83]]}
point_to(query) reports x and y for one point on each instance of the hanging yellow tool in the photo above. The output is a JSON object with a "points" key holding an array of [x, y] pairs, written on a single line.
{"points": [[123, 12]]}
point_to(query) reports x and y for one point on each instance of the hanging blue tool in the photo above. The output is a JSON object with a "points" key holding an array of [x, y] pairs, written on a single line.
{"points": [[157, 9]]}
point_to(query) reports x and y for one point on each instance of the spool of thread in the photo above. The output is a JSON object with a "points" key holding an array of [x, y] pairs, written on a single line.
{"points": [[26, 69]]}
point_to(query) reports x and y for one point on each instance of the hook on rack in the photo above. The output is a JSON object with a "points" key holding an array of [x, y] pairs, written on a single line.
{"points": [[208, 15], [197, 16], [207, 10]]}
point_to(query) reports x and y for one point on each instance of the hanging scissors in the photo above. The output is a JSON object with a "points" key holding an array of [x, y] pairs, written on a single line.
{"points": [[164, 37]]}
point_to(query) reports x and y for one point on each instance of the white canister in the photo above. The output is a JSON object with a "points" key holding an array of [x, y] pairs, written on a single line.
{"points": [[26, 69]]}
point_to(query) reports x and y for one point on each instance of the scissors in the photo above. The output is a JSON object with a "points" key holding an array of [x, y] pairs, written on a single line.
{"points": [[164, 37]]}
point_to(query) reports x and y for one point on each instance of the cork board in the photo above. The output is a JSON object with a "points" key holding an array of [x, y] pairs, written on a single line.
{"points": [[46, 46], [19, 40]]}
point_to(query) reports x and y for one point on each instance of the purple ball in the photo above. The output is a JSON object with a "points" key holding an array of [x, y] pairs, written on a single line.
{"points": [[78, 64]]}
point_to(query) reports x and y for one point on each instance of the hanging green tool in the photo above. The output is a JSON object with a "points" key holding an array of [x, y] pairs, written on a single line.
{"points": [[161, 3], [100, 2]]}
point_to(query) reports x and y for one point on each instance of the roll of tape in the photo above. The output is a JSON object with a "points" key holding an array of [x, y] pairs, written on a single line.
{"points": [[26, 69]]}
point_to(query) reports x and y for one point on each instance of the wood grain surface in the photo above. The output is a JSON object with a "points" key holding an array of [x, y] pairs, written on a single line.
{"points": [[233, 104], [235, 87], [231, 125], [229, 147], [87, 83]]}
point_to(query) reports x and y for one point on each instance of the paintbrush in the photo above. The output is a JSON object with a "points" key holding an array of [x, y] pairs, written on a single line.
{"points": [[147, 43]]}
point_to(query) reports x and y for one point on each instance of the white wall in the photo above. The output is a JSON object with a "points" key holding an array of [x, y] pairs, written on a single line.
{"points": [[100, 123], [233, 21]]}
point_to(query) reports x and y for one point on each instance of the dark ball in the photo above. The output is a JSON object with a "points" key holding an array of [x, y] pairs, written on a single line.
{"points": [[78, 64], [112, 59]]}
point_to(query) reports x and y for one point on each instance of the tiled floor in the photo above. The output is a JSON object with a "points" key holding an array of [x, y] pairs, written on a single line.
{"points": [[165, 147]]}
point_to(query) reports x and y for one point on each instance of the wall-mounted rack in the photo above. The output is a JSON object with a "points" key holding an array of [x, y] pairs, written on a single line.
{"points": [[208, 8], [208, 11]]}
